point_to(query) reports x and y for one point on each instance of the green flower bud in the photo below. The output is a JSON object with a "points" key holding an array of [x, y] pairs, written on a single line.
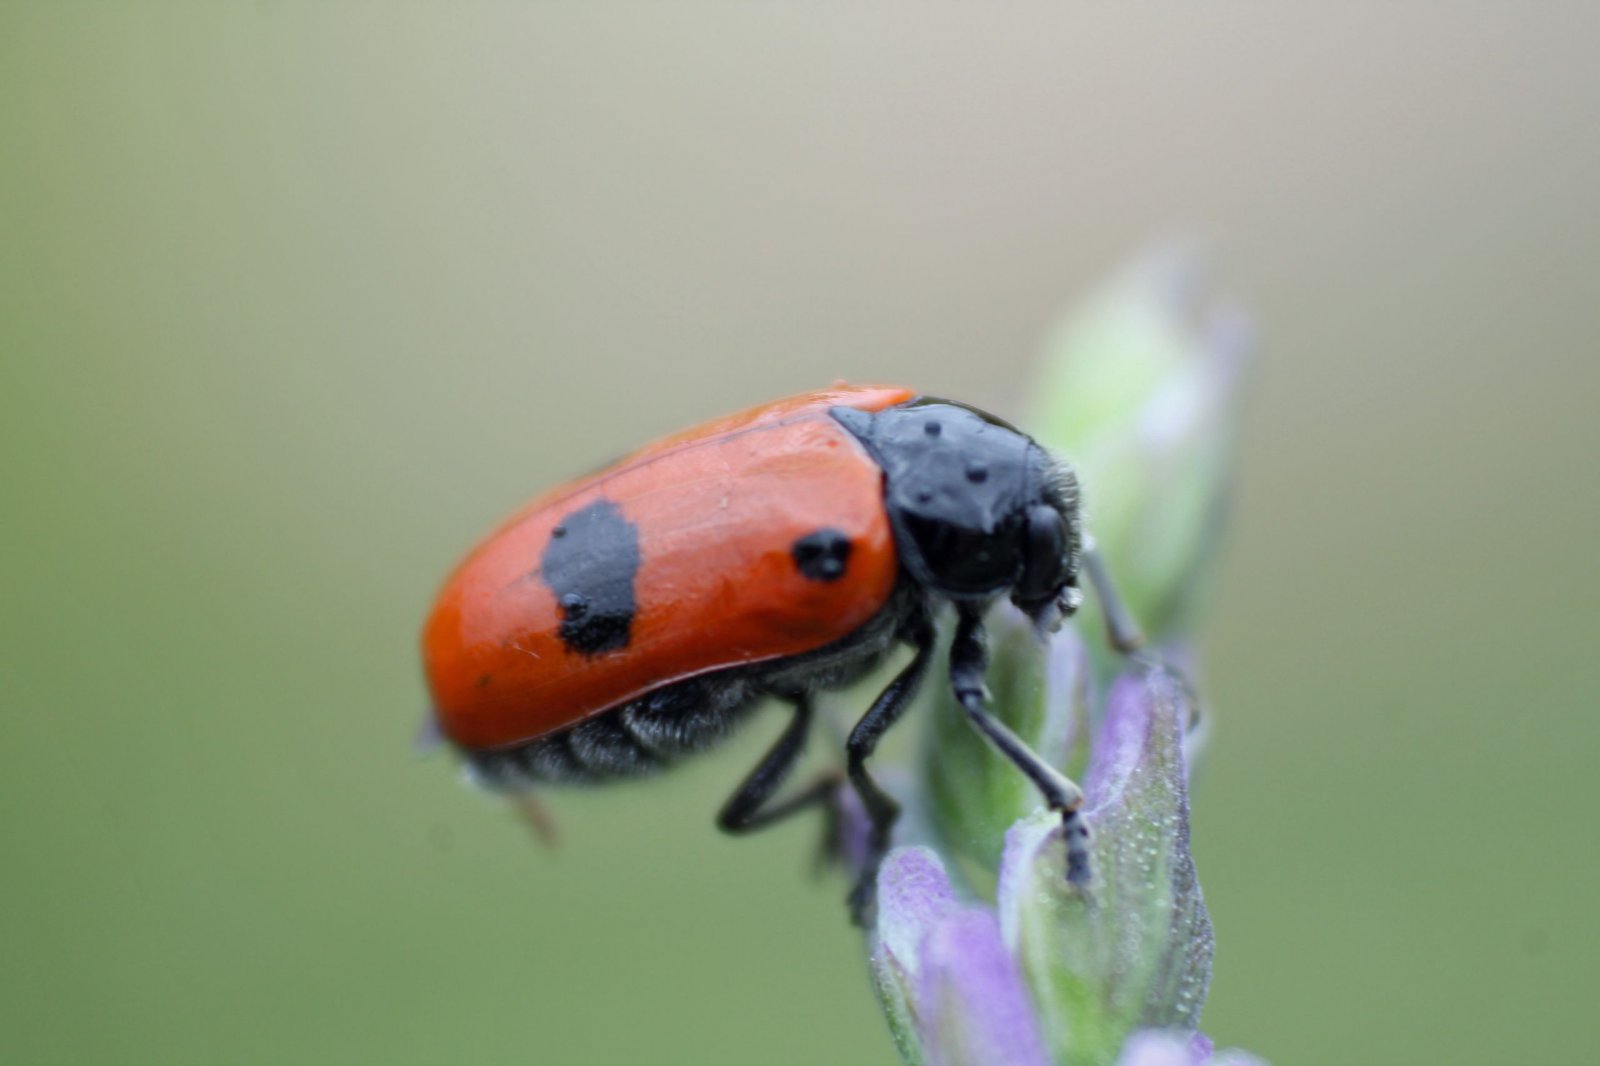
{"points": [[1139, 389]]}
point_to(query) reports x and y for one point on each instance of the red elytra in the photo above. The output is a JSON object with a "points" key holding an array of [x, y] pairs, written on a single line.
{"points": [[716, 511]]}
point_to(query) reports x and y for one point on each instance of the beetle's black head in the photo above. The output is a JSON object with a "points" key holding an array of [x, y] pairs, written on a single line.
{"points": [[977, 507]]}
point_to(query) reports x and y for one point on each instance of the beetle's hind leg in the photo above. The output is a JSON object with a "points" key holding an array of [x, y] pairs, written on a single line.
{"points": [[968, 660], [748, 809]]}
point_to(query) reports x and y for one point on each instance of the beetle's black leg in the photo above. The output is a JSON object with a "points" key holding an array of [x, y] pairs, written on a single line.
{"points": [[968, 660], [745, 811], [881, 808], [1122, 629], [1123, 632]]}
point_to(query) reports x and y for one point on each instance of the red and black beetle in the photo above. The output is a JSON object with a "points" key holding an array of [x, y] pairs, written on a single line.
{"points": [[636, 615]]}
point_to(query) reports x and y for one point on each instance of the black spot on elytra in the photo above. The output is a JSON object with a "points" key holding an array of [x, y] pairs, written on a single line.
{"points": [[821, 556], [591, 565]]}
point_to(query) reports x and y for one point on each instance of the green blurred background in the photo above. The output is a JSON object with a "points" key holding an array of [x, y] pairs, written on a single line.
{"points": [[296, 299]]}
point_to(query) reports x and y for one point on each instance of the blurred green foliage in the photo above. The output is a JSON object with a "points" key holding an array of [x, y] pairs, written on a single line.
{"points": [[297, 299]]}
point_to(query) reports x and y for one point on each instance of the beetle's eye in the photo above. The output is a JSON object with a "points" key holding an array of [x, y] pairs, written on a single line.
{"points": [[1043, 556]]}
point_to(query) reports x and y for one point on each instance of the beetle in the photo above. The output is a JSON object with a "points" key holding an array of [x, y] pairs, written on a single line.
{"points": [[637, 615]]}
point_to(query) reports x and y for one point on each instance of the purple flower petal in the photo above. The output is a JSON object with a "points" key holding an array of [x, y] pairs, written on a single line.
{"points": [[1141, 739], [914, 894], [1180, 658], [1137, 792], [973, 1008]]}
